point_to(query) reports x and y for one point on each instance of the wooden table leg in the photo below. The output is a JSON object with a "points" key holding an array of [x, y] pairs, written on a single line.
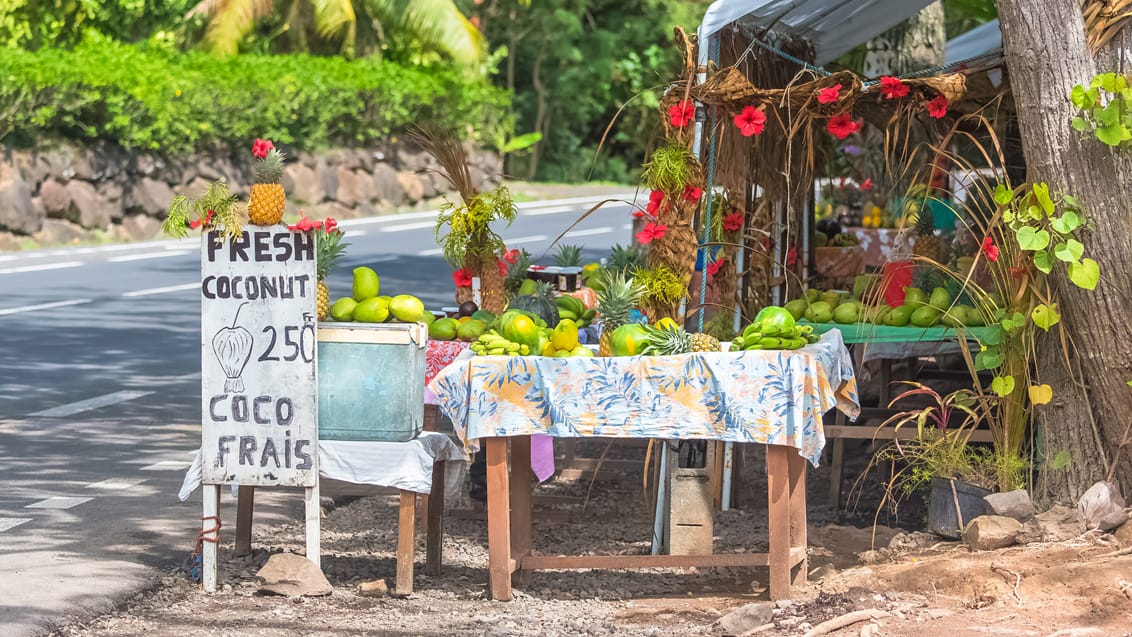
{"points": [[798, 531], [406, 532], [835, 466], [778, 518], [498, 520], [520, 501], [434, 535], [245, 504]]}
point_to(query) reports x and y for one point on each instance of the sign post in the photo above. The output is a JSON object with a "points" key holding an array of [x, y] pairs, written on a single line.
{"points": [[258, 373]]}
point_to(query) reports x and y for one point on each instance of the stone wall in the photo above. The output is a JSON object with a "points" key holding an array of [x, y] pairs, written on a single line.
{"points": [[69, 194]]}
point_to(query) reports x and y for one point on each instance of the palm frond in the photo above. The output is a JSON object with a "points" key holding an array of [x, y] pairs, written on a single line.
{"points": [[432, 25], [229, 21], [334, 18]]}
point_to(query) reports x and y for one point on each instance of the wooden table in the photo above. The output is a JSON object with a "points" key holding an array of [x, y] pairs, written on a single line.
{"points": [[509, 525]]}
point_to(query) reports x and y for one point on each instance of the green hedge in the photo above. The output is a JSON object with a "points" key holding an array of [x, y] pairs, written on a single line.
{"points": [[175, 102]]}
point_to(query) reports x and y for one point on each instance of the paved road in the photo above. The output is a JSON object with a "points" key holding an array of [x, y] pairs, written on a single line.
{"points": [[100, 396]]}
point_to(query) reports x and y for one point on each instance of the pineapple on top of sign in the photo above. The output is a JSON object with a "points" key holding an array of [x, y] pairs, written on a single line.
{"points": [[267, 200]]}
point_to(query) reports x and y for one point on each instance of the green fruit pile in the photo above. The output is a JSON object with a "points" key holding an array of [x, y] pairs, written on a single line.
{"points": [[774, 329], [919, 309], [573, 309], [365, 306], [492, 344]]}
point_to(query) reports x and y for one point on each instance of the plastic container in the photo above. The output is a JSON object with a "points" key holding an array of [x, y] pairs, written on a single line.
{"points": [[941, 510], [371, 381]]}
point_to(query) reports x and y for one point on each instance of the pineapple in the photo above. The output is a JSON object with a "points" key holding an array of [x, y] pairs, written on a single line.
{"points": [[516, 274], [927, 246], [265, 205], [624, 259], [667, 341], [705, 343], [329, 250], [620, 295], [568, 256]]}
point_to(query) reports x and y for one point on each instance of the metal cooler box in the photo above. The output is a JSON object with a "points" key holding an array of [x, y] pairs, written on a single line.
{"points": [[371, 381]]}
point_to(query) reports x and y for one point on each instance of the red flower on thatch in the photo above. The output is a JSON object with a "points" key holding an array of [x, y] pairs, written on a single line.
{"points": [[892, 87], [639, 214], [261, 146], [304, 224], [714, 267], [733, 221], [502, 267], [693, 193], [681, 114], [511, 256], [990, 249], [203, 222], [791, 256], [937, 108], [829, 95], [751, 121], [656, 198], [650, 232], [867, 184], [462, 278], [842, 126]]}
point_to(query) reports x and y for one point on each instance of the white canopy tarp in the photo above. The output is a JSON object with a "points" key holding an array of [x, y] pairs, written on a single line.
{"points": [[833, 26]]}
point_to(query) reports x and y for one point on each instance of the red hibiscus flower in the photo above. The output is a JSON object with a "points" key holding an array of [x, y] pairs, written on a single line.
{"points": [[791, 256], [656, 198], [304, 224], [462, 278], [750, 121], [829, 95], [638, 213], [1017, 272], [714, 267], [511, 256], [842, 126], [203, 222], [502, 267], [733, 221], [681, 114], [650, 232], [937, 108], [261, 146], [692, 193], [867, 184], [892, 88], [990, 249], [330, 225]]}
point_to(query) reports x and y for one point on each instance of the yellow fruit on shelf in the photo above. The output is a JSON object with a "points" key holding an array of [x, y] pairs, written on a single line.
{"points": [[565, 336]]}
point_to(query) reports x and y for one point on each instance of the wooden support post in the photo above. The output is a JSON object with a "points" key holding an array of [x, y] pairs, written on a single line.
{"points": [[434, 535], [406, 533], [520, 501], [778, 518], [498, 520], [245, 504], [211, 522], [313, 519], [798, 531]]}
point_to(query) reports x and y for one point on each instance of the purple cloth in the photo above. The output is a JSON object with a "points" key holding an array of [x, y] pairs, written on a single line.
{"points": [[542, 456]]}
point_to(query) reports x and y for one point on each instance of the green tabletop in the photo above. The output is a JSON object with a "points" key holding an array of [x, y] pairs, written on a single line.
{"points": [[869, 333]]}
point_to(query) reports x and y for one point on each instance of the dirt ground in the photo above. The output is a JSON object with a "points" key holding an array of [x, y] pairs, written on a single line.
{"points": [[914, 585]]}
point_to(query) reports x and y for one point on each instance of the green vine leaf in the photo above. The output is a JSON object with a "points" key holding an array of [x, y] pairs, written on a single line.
{"points": [[1002, 194], [1070, 251], [1041, 193], [1014, 323], [1030, 238], [1082, 125], [990, 359], [1043, 261], [1045, 316], [1003, 385], [1060, 461], [1085, 274], [1080, 98], [993, 335], [1067, 222], [1113, 134]]}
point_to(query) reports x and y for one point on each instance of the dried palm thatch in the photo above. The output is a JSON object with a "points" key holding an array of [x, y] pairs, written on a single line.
{"points": [[1104, 19]]}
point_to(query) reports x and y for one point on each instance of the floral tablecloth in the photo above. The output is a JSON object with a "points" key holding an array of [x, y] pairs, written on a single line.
{"points": [[766, 397], [438, 355]]}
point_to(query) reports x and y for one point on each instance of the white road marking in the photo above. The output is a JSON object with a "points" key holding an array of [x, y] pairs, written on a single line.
{"points": [[9, 257], [431, 252], [168, 288], [116, 484], [167, 465], [90, 403], [627, 226], [45, 266], [554, 210], [148, 255], [11, 523], [42, 306], [534, 238], [421, 225], [58, 502], [590, 232], [354, 233]]}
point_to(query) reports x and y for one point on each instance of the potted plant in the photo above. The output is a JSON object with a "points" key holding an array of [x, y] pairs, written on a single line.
{"points": [[940, 455]]}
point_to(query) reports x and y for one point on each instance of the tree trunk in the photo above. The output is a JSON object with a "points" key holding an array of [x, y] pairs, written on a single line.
{"points": [[1047, 55]]}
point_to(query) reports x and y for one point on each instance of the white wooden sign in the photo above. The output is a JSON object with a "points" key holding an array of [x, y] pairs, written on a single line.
{"points": [[258, 347]]}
